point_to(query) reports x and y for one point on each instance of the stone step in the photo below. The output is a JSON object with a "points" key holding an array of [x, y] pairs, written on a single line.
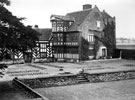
{"points": [[81, 78], [82, 81]]}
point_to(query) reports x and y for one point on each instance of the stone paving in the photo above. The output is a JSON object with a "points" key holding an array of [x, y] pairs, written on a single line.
{"points": [[97, 66], [27, 71]]}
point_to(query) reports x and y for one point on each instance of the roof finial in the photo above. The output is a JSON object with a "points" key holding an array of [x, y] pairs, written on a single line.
{"points": [[95, 5]]}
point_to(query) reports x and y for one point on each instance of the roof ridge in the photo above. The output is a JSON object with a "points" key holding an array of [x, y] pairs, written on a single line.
{"points": [[45, 33], [65, 17], [79, 11], [42, 28], [104, 12]]}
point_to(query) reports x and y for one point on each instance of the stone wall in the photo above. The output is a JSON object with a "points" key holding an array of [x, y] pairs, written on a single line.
{"points": [[72, 79], [51, 81], [32, 94], [110, 76]]}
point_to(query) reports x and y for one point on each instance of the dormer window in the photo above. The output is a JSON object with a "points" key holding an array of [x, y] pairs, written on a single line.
{"points": [[98, 24]]}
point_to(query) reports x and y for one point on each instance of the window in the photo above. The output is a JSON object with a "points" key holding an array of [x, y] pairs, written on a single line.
{"points": [[98, 24], [53, 29], [59, 26], [60, 37], [42, 47], [54, 26], [91, 38]]}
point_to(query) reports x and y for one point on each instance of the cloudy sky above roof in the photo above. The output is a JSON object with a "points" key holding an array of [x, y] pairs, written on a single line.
{"points": [[38, 12]]}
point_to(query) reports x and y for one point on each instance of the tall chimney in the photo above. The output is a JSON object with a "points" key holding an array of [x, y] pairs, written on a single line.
{"points": [[36, 26], [87, 6]]}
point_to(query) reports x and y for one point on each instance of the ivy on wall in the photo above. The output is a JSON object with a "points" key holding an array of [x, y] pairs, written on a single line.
{"points": [[108, 39], [96, 47], [84, 49]]}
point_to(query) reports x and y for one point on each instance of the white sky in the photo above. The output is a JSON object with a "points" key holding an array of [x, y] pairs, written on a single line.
{"points": [[38, 12]]}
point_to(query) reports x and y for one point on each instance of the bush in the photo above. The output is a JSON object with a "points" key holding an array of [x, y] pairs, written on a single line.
{"points": [[3, 66]]}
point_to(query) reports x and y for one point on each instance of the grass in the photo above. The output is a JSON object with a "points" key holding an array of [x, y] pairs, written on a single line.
{"points": [[118, 90]]}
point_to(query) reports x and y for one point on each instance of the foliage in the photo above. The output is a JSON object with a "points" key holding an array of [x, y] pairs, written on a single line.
{"points": [[14, 36], [84, 49], [3, 66], [2, 2], [96, 47]]}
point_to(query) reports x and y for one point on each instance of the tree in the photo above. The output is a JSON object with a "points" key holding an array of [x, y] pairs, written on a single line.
{"points": [[14, 36], [2, 2]]}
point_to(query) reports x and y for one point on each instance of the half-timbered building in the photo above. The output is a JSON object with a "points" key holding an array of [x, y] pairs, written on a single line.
{"points": [[44, 45], [74, 33], [42, 50]]}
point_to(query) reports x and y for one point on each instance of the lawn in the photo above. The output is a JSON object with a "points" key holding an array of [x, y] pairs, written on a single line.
{"points": [[9, 92], [117, 90]]}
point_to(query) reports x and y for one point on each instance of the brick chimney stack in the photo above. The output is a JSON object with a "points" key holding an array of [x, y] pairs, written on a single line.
{"points": [[87, 6], [36, 27]]}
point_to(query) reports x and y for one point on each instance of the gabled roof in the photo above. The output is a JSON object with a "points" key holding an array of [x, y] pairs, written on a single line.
{"points": [[65, 18], [105, 14], [79, 18], [45, 34]]}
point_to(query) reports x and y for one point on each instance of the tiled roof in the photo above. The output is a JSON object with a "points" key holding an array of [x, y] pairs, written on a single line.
{"points": [[65, 18], [79, 18], [105, 14], [45, 34]]}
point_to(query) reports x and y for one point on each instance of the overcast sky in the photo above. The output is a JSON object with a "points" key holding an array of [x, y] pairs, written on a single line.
{"points": [[38, 12]]}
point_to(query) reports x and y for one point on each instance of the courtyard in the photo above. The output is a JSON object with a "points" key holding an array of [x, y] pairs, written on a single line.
{"points": [[116, 90], [35, 70], [113, 90]]}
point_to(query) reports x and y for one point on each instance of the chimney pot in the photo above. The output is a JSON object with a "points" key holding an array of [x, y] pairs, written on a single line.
{"points": [[87, 6], [36, 26]]}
